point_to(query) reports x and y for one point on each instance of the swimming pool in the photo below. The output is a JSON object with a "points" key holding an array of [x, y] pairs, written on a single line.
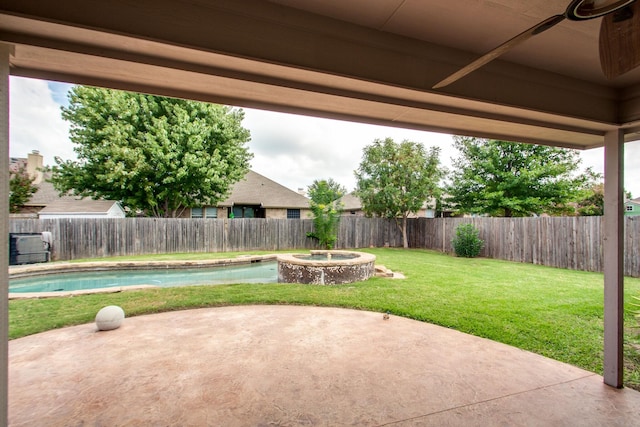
{"points": [[259, 272]]}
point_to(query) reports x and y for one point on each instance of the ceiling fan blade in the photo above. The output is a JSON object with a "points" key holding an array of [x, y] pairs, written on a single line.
{"points": [[490, 56], [620, 41]]}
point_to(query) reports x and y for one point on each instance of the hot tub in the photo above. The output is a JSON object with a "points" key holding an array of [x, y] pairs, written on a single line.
{"points": [[325, 267]]}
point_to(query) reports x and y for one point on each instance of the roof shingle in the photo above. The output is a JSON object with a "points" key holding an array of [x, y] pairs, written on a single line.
{"points": [[78, 206], [255, 189]]}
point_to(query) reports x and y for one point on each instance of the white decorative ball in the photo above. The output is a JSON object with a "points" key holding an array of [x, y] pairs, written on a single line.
{"points": [[109, 317]]}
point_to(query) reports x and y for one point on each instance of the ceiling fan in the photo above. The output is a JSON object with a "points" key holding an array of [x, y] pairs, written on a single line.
{"points": [[619, 36]]}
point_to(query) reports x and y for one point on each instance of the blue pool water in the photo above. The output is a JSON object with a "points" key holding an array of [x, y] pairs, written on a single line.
{"points": [[324, 257], [261, 272]]}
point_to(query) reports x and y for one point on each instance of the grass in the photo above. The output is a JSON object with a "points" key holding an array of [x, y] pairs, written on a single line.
{"points": [[553, 312]]}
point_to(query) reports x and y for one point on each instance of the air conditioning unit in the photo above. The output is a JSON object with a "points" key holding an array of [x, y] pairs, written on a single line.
{"points": [[29, 248]]}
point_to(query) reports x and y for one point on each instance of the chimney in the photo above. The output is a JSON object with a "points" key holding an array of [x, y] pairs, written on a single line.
{"points": [[35, 163], [302, 191]]}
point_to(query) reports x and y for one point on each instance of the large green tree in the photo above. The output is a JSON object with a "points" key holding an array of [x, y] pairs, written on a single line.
{"points": [[325, 191], [394, 180], [325, 207], [501, 178], [154, 154], [591, 203], [21, 188]]}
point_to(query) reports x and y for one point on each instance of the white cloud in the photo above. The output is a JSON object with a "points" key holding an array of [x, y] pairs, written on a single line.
{"points": [[632, 168], [292, 150], [35, 121], [595, 159], [296, 150]]}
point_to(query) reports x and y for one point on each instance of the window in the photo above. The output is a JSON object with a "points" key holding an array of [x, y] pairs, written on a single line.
{"points": [[293, 213], [247, 211], [238, 212], [211, 212], [629, 208], [204, 212]]}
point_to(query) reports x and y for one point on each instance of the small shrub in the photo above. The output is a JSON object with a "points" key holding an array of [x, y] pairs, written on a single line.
{"points": [[325, 223], [467, 243]]}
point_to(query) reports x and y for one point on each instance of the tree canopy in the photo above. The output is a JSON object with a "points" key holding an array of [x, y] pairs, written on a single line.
{"points": [[21, 188], [395, 180], [154, 154], [502, 178], [591, 203], [325, 191], [324, 205]]}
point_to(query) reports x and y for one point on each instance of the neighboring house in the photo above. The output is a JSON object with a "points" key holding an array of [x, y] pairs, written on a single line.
{"points": [[256, 196], [45, 194], [632, 207], [351, 205], [46, 203], [82, 208], [33, 164], [42, 198]]}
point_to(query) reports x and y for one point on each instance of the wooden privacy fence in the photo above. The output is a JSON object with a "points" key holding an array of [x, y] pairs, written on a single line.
{"points": [[96, 238], [565, 242]]}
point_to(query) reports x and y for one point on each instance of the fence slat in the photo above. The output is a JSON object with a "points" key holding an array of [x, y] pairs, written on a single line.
{"points": [[565, 242]]}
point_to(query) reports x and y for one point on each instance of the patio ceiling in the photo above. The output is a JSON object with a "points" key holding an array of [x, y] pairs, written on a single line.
{"points": [[356, 60]]}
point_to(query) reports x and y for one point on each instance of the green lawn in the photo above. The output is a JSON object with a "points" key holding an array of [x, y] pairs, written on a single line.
{"points": [[553, 312]]}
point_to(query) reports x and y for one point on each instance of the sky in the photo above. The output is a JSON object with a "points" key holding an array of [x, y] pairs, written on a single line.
{"points": [[289, 149]]}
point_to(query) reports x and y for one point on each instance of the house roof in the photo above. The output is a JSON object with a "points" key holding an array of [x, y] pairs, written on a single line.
{"points": [[46, 194], [15, 163], [255, 189], [78, 206], [350, 202]]}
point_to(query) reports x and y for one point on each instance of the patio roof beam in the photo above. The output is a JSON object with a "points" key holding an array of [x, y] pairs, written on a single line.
{"points": [[271, 45]]}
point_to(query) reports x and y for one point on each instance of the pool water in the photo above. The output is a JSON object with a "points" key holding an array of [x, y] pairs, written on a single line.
{"points": [[324, 257], [261, 272]]}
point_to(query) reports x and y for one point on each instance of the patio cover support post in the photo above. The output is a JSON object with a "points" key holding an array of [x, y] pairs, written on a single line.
{"points": [[4, 231], [613, 258]]}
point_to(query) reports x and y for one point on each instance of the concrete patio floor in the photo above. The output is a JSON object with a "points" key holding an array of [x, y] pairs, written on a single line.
{"points": [[287, 366]]}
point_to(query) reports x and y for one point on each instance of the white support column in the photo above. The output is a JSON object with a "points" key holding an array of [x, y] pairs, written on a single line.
{"points": [[4, 231], [613, 258]]}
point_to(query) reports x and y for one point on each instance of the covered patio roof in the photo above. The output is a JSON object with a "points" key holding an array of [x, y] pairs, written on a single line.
{"points": [[352, 60], [374, 62]]}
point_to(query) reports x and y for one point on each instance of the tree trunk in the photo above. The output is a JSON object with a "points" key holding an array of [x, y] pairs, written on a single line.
{"points": [[405, 243]]}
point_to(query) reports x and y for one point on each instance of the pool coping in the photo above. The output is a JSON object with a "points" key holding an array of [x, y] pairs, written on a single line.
{"points": [[112, 290], [31, 270], [360, 258], [19, 271]]}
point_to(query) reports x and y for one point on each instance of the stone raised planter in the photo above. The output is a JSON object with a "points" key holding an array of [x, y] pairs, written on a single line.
{"points": [[325, 267]]}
